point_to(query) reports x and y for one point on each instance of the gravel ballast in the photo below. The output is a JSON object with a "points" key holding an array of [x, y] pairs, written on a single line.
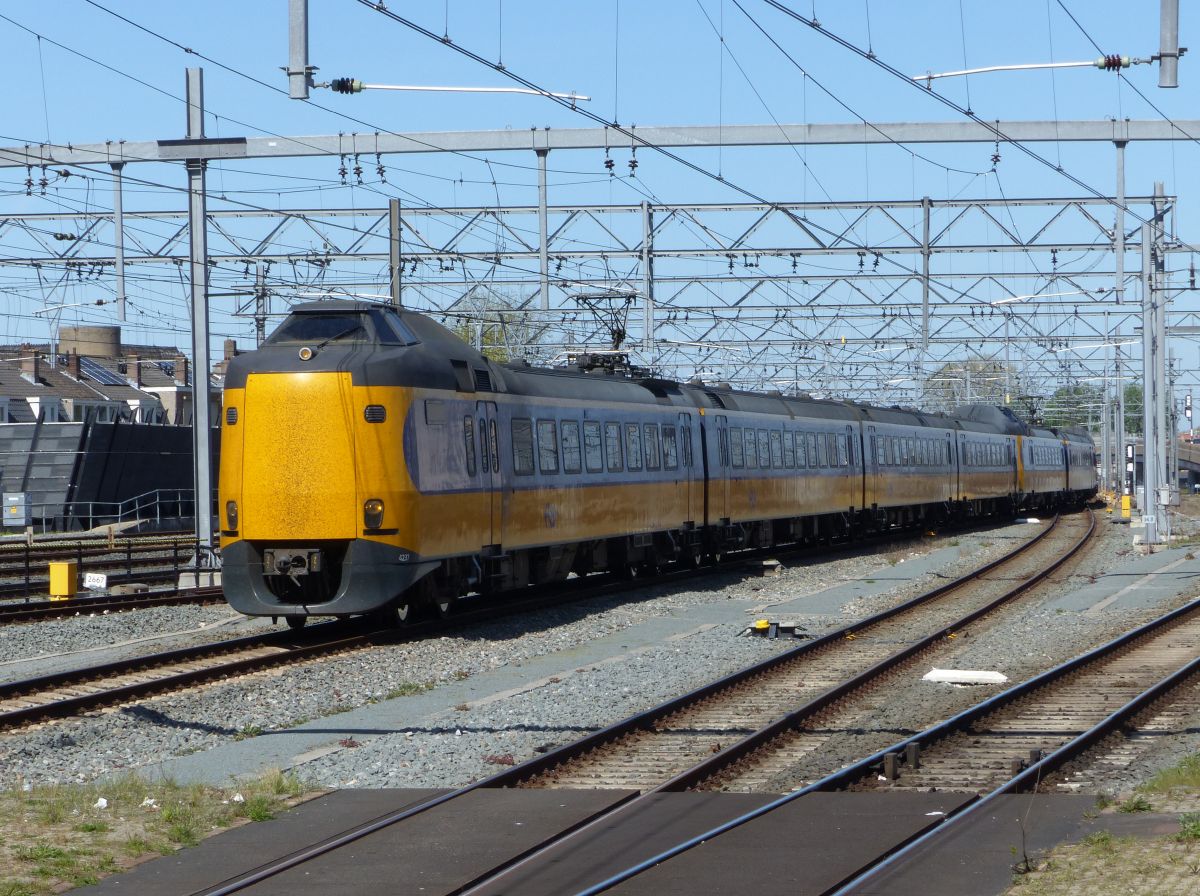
{"points": [[451, 710]]}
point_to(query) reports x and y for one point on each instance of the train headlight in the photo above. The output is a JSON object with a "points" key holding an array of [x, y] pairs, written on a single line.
{"points": [[373, 513], [231, 514]]}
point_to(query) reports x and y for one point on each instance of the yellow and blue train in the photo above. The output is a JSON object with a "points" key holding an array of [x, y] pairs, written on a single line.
{"points": [[373, 462]]}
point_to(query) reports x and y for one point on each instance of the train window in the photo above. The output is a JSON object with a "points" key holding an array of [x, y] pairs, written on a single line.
{"points": [[843, 451], [822, 451], [593, 448], [789, 451], [811, 439], [633, 446], [391, 330], [764, 450], [801, 453], [469, 443], [522, 442], [685, 434], [483, 451], [776, 449], [494, 446], [670, 448], [323, 327], [723, 447], [612, 446], [650, 441], [880, 446], [735, 447], [435, 412], [750, 444], [547, 437], [572, 462]]}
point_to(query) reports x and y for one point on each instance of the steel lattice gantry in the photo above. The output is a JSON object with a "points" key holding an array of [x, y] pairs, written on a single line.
{"points": [[785, 295], [861, 299]]}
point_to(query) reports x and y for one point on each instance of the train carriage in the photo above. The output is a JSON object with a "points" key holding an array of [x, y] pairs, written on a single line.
{"points": [[1044, 468], [373, 462], [1082, 475], [909, 465]]}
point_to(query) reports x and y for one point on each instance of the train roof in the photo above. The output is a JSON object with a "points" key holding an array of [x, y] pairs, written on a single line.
{"points": [[410, 348]]}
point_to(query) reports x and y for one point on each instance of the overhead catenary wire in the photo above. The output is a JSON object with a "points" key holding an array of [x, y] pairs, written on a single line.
{"points": [[990, 127]]}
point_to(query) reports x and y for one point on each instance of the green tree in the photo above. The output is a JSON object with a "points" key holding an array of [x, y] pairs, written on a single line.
{"points": [[974, 381], [1133, 409], [1078, 404], [498, 325]]}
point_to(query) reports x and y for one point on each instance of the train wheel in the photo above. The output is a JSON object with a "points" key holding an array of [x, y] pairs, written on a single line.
{"points": [[393, 615], [443, 603], [295, 623]]}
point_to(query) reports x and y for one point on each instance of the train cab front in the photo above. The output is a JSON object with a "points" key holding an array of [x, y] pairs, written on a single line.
{"points": [[312, 482]]}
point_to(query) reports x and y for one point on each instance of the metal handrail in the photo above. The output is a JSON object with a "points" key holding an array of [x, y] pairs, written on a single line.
{"points": [[154, 506]]}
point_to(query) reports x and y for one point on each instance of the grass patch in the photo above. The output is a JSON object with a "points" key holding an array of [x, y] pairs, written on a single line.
{"points": [[408, 689], [1184, 775], [1136, 803], [58, 837], [1189, 827]]}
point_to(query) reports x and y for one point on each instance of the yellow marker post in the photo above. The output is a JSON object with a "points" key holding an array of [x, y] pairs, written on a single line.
{"points": [[1125, 508], [64, 579]]}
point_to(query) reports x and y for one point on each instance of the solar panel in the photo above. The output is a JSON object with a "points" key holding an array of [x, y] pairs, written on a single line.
{"points": [[101, 374]]}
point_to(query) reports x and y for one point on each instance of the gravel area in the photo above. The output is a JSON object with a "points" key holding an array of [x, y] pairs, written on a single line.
{"points": [[448, 739]]}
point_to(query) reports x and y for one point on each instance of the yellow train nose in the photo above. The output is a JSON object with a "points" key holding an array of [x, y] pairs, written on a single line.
{"points": [[299, 474]]}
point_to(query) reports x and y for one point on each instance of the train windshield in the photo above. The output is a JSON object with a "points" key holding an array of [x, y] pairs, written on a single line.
{"points": [[326, 327]]}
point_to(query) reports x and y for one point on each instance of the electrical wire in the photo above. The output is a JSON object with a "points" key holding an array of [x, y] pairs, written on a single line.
{"points": [[947, 101]]}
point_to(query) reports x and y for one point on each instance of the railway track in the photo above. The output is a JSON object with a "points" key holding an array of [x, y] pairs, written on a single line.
{"points": [[668, 756], [743, 720], [71, 693], [39, 610], [108, 684], [24, 566]]}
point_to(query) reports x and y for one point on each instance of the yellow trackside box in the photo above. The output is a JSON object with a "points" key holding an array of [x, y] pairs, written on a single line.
{"points": [[64, 579], [1125, 507]]}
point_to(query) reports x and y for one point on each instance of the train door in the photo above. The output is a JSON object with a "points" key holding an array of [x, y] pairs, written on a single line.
{"points": [[960, 467], [870, 469], [951, 474], [854, 462], [687, 466], [716, 465], [1022, 463], [489, 466]]}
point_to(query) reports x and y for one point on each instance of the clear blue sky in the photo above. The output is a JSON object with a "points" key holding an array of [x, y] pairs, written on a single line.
{"points": [[92, 77]]}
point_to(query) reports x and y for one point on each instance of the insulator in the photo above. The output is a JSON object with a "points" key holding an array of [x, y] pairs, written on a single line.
{"points": [[1112, 62], [345, 85]]}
